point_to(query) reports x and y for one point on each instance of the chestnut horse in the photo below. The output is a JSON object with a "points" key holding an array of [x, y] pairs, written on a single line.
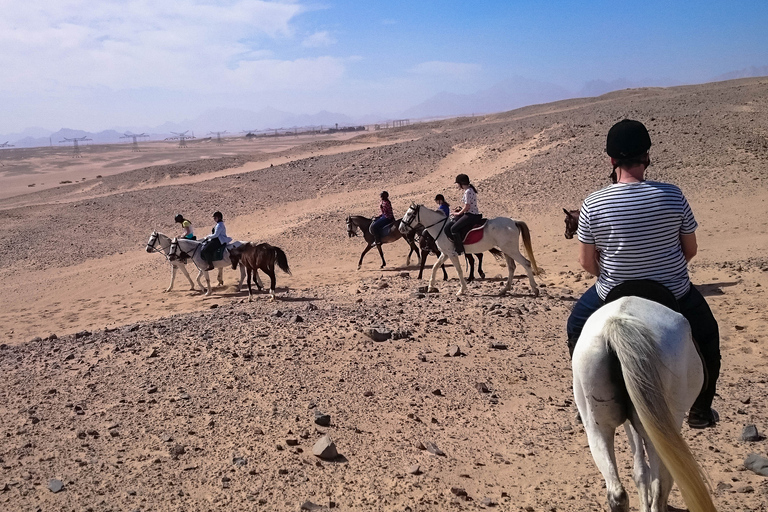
{"points": [[255, 257]]}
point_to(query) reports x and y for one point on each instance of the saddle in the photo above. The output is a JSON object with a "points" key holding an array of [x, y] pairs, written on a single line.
{"points": [[476, 233], [387, 229], [645, 289]]}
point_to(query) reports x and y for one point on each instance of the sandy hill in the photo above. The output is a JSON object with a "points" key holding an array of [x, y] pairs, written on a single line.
{"points": [[144, 400]]}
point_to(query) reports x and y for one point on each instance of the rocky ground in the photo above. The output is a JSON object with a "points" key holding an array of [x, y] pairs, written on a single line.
{"points": [[115, 396]]}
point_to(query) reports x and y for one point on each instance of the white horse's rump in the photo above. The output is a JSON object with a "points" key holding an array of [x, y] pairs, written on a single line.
{"points": [[192, 249], [635, 364], [161, 243], [500, 232]]}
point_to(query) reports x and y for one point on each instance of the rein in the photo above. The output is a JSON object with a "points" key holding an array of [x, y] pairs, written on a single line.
{"points": [[416, 216], [155, 249]]}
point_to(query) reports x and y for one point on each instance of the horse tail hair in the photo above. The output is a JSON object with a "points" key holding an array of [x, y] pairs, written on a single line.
{"points": [[281, 260], [637, 350], [526, 233]]}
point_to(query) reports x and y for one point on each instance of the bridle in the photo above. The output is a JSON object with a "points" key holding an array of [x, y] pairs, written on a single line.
{"points": [[183, 256], [153, 238], [351, 227], [411, 227]]}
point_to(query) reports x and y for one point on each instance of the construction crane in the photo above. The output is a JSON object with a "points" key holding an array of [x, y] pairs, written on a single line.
{"points": [[135, 137], [76, 147]]}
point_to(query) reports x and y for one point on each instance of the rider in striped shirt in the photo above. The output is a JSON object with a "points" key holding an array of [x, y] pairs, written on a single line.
{"points": [[644, 230]]}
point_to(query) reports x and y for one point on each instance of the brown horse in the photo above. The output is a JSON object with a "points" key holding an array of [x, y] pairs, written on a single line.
{"points": [[255, 257], [571, 222], [364, 223]]}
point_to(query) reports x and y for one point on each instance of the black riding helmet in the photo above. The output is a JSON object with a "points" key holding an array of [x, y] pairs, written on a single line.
{"points": [[178, 218], [219, 215], [384, 195], [627, 139], [462, 179]]}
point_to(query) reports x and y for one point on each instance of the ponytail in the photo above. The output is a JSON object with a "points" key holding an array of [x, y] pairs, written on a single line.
{"points": [[473, 188]]}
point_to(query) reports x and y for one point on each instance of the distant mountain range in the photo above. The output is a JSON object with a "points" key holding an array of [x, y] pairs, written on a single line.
{"points": [[507, 95]]}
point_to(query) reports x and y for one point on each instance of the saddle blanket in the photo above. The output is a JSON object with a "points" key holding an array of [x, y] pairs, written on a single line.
{"points": [[475, 234]]}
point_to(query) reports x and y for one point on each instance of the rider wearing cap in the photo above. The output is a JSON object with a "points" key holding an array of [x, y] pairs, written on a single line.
{"points": [[644, 230], [186, 226], [464, 217], [387, 217], [216, 239]]}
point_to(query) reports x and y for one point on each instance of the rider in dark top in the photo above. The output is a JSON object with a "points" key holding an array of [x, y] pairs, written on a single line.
{"points": [[387, 217]]}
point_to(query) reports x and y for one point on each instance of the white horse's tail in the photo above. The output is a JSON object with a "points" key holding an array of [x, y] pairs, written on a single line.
{"points": [[526, 233], [637, 350]]}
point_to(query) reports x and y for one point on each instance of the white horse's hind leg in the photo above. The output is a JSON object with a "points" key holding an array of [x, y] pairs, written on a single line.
{"points": [[221, 276], [437, 265], [510, 272], [514, 253], [183, 269], [661, 481], [640, 471]]}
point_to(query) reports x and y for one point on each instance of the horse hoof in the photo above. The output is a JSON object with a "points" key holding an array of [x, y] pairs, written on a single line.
{"points": [[432, 289], [461, 292], [535, 292], [502, 293], [359, 267]]}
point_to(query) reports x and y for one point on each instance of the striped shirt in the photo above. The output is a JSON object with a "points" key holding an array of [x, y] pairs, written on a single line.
{"points": [[636, 228]]}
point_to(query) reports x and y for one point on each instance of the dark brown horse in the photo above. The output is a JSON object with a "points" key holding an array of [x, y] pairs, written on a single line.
{"points": [[364, 223], [255, 257], [571, 222]]}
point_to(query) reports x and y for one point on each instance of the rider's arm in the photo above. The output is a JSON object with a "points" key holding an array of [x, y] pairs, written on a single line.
{"points": [[588, 258], [689, 245], [463, 210]]}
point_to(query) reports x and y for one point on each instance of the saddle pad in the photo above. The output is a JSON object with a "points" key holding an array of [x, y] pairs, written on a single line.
{"points": [[219, 254], [386, 230], [646, 289], [475, 234]]}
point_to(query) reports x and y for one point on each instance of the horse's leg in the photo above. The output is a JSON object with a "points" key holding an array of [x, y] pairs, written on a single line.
{"points": [[438, 264], [221, 276], [208, 288], [445, 274], [173, 278], [381, 253], [199, 282], [514, 252], [242, 278], [640, 472], [365, 251], [661, 481], [462, 281], [480, 266], [271, 273], [183, 269], [412, 245], [471, 263], [259, 284], [510, 273], [250, 274], [422, 262]]}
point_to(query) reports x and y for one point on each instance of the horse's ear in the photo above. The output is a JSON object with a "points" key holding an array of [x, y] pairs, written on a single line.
{"points": [[567, 212]]}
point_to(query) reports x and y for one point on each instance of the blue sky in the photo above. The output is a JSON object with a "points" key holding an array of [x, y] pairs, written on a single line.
{"points": [[94, 65]]}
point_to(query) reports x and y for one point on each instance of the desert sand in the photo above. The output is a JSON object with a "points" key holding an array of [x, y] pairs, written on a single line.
{"points": [[136, 399]]}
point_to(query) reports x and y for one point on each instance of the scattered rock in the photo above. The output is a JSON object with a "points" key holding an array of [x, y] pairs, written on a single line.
{"points": [[239, 461], [152, 390], [745, 489], [757, 463], [437, 392], [406, 275], [454, 351], [433, 449], [177, 450], [82, 334], [324, 420], [36, 339], [458, 491], [308, 505], [750, 434], [292, 442], [214, 306], [311, 307], [55, 485], [497, 346], [153, 353], [488, 502], [378, 333], [482, 387], [368, 393], [277, 313], [325, 448], [414, 470], [297, 319]]}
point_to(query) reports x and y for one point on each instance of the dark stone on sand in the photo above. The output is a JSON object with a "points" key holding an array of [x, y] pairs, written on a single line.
{"points": [[36, 339], [277, 313], [152, 389], [308, 505], [297, 319], [414, 470], [368, 393], [292, 442], [378, 333], [433, 449], [482, 387], [324, 420], [488, 502], [437, 392], [82, 334], [453, 351], [458, 491], [497, 346], [239, 461], [177, 450], [52, 337], [757, 463], [750, 434], [55, 485], [153, 353]]}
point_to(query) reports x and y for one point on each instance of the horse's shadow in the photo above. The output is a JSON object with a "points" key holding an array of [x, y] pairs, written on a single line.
{"points": [[710, 289]]}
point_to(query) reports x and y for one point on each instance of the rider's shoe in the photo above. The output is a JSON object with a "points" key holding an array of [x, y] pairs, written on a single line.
{"points": [[459, 247], [703, 419]]}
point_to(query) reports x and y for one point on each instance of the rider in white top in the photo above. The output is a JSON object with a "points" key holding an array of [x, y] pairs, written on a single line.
{"points": [[216, 239]]}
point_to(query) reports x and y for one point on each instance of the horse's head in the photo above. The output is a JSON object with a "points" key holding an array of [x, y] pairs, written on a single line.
{"points": [[410, 219], [151, 242], [234, 256], [173, 250], [351, 227], [571, 222]]}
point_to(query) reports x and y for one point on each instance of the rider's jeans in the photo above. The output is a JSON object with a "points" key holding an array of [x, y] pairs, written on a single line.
{"points": [[694, 307]]}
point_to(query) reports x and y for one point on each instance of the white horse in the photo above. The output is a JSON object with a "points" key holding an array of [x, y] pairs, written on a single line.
{"points": [[636, 364], [501, 232], [182, 249], [161, 243]]}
